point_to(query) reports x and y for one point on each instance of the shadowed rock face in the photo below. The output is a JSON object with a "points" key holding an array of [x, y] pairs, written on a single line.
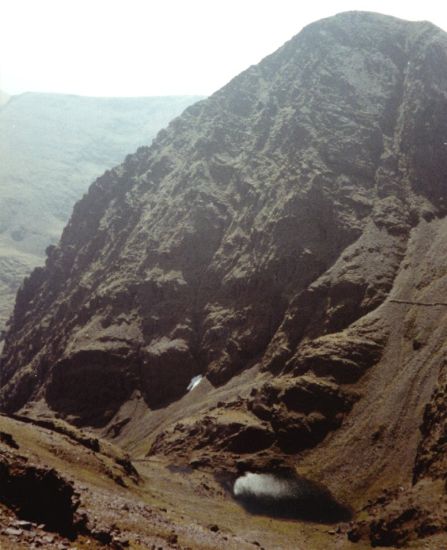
{"points": [[39, 495], [268, 225]]}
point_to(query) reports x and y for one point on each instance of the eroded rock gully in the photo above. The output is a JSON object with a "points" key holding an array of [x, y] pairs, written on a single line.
{"points": [[258, 242]]}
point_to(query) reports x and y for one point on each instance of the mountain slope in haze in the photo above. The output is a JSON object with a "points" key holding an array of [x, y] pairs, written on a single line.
{"points": [[4, 98], [282, 239], [51, 147]]}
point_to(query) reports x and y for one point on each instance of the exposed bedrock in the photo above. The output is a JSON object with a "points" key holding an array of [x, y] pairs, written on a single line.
{"points": [[275, 211], [270, 228]]}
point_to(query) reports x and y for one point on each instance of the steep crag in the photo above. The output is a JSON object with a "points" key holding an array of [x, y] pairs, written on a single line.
{"points": [[259, 242]]}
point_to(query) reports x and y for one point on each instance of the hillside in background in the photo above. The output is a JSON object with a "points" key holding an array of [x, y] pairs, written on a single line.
{"points": [[4, 98], [262, 291], [51, 148]]}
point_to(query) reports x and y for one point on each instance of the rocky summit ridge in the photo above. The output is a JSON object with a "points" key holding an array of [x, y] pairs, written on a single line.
{"points": [[280, 239]]}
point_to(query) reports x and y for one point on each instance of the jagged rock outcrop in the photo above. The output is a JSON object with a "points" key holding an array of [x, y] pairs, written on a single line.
{"points": [[52, 147], [267, 229]]}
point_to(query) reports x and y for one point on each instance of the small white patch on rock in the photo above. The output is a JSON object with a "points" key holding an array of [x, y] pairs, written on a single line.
{"points": [[195, 381], [262, 485]]}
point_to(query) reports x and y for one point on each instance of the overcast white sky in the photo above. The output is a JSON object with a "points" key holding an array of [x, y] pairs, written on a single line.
{"points": [[157, 47]]}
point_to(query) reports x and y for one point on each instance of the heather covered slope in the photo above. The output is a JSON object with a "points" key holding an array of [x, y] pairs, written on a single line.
{"points": [[51, 148], [260, 241]]}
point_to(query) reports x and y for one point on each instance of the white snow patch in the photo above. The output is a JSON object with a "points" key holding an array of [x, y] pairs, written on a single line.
{"points": [[262, 485], [195, 381]]}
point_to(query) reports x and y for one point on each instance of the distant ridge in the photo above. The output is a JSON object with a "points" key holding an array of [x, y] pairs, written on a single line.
{"points": [[4, 98]]}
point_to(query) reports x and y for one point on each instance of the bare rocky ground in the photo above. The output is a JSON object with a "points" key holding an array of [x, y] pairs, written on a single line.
{"points": [[63, 488], [106, 506]]}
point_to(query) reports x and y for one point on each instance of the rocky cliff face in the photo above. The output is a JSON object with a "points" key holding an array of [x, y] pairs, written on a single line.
{"points": [[279, 239], [51, 147]]}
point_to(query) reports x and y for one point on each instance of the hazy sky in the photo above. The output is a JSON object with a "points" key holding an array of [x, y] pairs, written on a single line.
{"points": [[157, 47]]}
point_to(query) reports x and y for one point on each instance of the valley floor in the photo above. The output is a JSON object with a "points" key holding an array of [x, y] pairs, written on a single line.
{"points": [[160, 507], [154, 506]]}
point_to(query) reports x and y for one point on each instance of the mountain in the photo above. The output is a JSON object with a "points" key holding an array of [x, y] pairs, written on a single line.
{"points": [[52, 146], [281, 244], [4, 98]]}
